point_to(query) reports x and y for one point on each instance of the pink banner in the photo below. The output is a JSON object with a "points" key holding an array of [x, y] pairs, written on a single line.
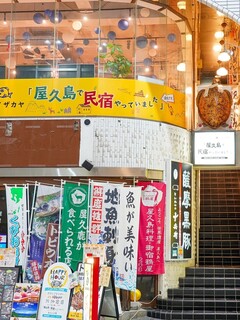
{"points": [[151, 230]]}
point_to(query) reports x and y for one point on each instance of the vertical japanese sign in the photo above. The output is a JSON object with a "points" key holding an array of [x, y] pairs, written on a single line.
{"points": [[127, 247], [96, 213], [51, 247], [151, 230], [180, 207], [16, 199], [74, 222], [54, 301], [45, 211], [104, 217], [111, 220], [87, 297]]}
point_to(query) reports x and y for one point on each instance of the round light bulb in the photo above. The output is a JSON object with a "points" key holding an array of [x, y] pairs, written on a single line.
{"points": [[219, 34], [77, 25], [217, 47], [224, 56], [181, 5], [181, 67], [222, 72]]}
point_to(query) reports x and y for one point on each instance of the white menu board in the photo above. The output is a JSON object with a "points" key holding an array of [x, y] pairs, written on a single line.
{"points": [[55, 293]]}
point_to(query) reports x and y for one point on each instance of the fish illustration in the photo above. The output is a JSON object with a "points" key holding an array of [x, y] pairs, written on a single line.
{"points": [[5, 93]]}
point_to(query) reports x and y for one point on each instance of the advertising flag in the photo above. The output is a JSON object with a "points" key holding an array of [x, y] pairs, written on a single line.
{"points": [[127, 246], [74, 223], [151, 230], [104, 217], [45, 211], [16, 198]]}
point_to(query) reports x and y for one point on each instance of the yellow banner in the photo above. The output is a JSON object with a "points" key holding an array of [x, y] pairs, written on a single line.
{"points": [[91, 97]]}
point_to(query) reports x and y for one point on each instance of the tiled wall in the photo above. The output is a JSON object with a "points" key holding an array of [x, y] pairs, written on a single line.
{"points": [[112, 142]]}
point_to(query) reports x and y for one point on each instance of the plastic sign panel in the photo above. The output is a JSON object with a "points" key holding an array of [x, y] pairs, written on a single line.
{"points": [[55, 294], [214, 148]]}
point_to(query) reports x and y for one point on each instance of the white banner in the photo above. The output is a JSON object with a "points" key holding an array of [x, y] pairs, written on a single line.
{"points": [[127, 247], [16, 199], [104, 217]]}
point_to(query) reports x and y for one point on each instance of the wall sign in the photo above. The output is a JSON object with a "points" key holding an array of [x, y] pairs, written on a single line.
{"points": [[179, 208], [91, 97], [214, 148]]}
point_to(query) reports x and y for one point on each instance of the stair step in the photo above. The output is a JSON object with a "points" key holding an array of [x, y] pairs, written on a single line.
{"points": [[224, 209], [204, 293], [217, 214], [212, 272], [208, 282], [230, 200], [219, 261], [216, 221], [224, 252], [220, 228], [192, 315], [205, 305], [219, 235], [219, 244]]}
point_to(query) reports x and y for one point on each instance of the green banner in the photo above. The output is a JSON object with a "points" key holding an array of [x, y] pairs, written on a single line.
{"points": [[74, 222]]}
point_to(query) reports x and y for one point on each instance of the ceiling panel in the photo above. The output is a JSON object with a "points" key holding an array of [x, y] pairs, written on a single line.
{"points": [[230, 8]]}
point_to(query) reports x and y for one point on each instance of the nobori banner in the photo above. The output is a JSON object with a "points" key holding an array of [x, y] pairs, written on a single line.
{"points": [[91, 97], [16, 197]]}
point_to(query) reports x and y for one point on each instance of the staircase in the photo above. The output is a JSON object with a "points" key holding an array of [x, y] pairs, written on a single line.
{"points": [[205, 293], [212, 290], [219, 237]]}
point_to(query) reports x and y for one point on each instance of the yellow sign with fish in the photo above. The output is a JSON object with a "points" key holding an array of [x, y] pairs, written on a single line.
{"points": [[30, 98]]}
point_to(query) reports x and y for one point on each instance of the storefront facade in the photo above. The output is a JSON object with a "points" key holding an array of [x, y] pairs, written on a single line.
{"points": [[70, 110]]}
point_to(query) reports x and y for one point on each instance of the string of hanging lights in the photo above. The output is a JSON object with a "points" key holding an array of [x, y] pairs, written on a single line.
{"points": [[224, 55]]}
